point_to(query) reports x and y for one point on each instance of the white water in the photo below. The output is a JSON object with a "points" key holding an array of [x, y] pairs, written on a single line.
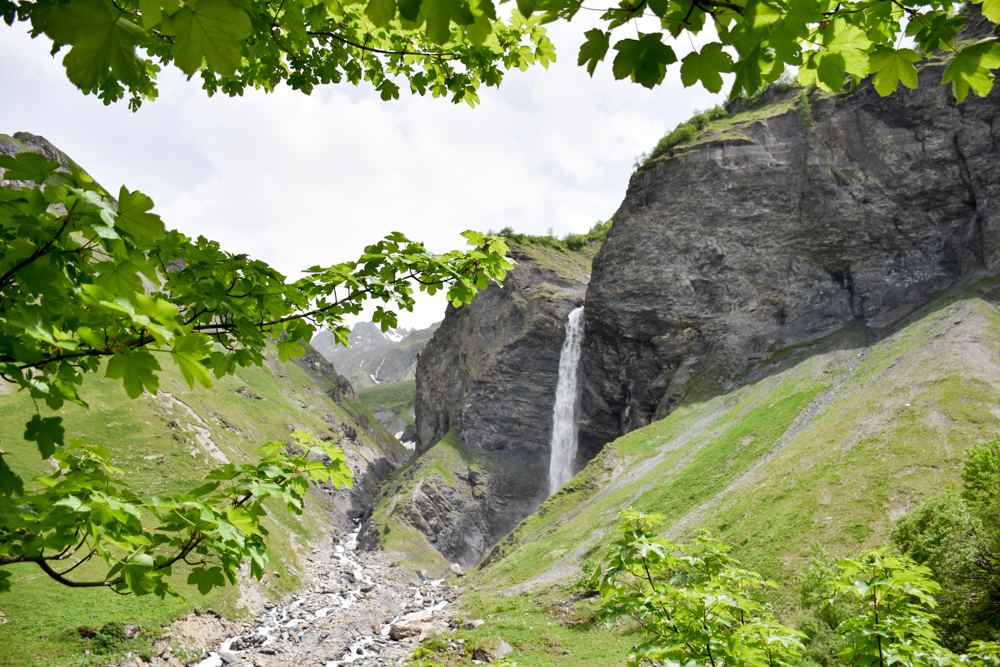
{"points": [[564, 427]]}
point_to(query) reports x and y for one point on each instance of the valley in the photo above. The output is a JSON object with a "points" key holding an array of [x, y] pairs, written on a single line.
{"points": [[787, 338]]}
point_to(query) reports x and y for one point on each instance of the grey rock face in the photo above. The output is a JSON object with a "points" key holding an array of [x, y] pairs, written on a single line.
{"points": [[489, 373], [743, 245], [491, 369]]}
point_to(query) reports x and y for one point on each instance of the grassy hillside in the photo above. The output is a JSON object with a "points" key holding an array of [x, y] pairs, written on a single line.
{"points": [[820, 444], [395, 398], [166, 443]]}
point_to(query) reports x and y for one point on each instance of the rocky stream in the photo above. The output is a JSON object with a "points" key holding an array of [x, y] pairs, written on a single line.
{"points": [[357, 609]]}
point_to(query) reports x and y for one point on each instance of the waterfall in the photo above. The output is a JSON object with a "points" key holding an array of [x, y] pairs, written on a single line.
{"points": [[564, 428]]}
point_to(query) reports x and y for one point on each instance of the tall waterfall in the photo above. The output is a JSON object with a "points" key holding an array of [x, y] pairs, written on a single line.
{"points": [[564, 428]]}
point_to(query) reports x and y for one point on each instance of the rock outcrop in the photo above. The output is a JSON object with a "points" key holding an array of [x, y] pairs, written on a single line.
{"points": [[774, 234], [488, 378]]}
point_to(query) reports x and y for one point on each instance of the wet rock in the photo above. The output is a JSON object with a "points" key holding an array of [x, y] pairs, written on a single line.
{"points": [[228, 657]]}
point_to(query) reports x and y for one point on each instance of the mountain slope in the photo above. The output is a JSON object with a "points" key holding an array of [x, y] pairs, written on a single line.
{"points": [[764, 231], [827, 442], [168, 442], [375, 358]]}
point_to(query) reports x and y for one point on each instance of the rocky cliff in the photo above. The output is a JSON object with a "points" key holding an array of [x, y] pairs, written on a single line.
{"points": [[486, 381], [764, 233]]}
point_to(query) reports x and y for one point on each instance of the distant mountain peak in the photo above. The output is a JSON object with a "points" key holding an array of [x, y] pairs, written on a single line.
{"points": [[375, 357]]}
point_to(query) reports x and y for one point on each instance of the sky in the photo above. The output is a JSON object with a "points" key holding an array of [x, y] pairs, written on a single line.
{"points": [[299, 180]]}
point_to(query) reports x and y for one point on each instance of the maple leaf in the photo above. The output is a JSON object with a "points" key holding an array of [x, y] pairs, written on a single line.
{"points": [[137, 370], [210, 32]]}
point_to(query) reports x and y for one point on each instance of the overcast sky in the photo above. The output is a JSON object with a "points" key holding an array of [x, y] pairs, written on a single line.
{"points": [[301, 180]]}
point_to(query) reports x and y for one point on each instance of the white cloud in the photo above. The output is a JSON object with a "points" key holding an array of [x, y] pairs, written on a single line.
{"points": [[300, 180]]}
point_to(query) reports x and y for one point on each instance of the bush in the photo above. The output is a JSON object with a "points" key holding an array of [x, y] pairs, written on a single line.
{"points": [[109, 639], [683, 133], [574, 242]]}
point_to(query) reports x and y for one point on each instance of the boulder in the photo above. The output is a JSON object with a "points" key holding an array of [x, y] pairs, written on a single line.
{"points": [[492, 651]]}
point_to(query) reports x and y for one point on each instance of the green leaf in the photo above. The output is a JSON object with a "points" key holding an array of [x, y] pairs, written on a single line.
{"points": [[210, 32], [380, 12], [289, 348], [120, 278], [188, 352], [46, 433], [830, 71], [409, 9], [706, 66], [439, 14], [991, 10], [137, 570], [970, 69], [760, 14], [10, 484], [851, 43], [152, 10], [206, 579], [244, 522], [103, 42], [892, 67], [27, 166], [136, 369], [748, 74], [134, 219], [644, 59], [594, 49]]}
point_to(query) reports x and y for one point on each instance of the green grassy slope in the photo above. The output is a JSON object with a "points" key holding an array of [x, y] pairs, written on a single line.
{"points": [[826, 443], [168, 442], [397, 398]]}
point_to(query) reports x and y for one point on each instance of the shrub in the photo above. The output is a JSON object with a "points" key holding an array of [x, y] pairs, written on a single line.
{"points": [[683, 133], [805, 109]]}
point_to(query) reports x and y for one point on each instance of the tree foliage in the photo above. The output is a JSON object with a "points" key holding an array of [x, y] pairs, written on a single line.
{"points": [[451, 47], [445, 47], [694, 603], [696, 607], [957, 535], [86, 279]]}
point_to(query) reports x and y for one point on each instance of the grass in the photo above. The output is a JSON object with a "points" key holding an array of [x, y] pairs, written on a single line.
{"points": [[823, 444], [549, 630], [149, 438], [397, 398], [725, 123]]}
